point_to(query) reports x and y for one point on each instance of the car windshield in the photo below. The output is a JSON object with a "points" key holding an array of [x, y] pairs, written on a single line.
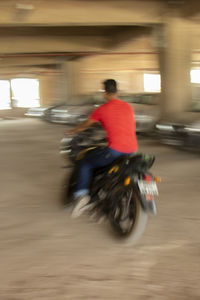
{"points": [[148, 99], [98, 99], [92, 99]]}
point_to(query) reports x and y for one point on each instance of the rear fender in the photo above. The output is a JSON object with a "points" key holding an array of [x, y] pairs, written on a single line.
{"points": [[147, 203]]}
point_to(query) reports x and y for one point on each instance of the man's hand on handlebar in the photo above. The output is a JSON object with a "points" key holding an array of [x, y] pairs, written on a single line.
{"points": [[81, 127]]}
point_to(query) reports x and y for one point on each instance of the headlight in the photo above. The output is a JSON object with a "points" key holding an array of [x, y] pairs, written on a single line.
{"points": [[143, 118], [192, 129], [164, 127], [66, 140]]}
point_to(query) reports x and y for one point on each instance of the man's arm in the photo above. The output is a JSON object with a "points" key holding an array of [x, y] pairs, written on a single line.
{"points": [[81, 127]]}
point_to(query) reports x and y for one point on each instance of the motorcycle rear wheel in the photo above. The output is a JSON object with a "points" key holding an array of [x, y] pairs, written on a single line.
{"points": [[130, 225]]}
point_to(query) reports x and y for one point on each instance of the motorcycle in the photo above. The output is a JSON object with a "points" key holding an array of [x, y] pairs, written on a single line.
{"points": [[123, 192]]}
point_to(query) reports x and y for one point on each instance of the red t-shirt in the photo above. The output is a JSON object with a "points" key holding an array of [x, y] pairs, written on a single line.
{"points": [[117, 118]]}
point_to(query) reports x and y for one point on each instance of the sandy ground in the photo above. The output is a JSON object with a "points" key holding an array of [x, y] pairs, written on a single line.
{"points": [[46, 255]]}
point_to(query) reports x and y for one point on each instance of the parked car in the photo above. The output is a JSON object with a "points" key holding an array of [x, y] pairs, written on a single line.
{"points": [[147, 110], [146, 106], [183, 131], [68, 114], [36, 112]]}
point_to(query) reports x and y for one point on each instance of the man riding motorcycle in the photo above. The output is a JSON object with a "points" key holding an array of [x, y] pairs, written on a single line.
{"points": [[117, 119]]}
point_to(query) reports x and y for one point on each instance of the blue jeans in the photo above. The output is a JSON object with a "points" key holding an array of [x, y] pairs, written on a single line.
{"points": [[96, 159]]}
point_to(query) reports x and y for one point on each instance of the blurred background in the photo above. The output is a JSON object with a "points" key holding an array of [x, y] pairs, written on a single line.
{"points": [[58, 54], [54, 56]]}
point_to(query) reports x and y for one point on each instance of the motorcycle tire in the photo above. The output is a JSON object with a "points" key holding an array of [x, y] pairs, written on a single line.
{"points": [[130, 228]]}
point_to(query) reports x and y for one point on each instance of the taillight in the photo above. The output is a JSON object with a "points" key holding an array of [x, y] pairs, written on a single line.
{"points": [[147, 177]]}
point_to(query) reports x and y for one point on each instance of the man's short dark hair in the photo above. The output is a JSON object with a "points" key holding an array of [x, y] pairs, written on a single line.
{"points": [[110, 86]]}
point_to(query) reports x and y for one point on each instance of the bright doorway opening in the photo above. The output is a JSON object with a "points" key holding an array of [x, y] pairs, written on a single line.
{"points": [[152, 83], [195, 76], [5, 101], [25, 92], [19, 92]]}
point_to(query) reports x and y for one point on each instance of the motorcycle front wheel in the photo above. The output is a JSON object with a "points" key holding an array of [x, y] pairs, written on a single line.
{"points": [[68, 188], [127, 217]]}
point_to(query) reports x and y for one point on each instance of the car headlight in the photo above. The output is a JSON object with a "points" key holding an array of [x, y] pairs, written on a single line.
{"points": [[164, 127], [66, 140], [192, 129]]}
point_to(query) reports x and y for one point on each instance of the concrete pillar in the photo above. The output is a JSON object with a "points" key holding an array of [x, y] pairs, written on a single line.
{"points": [[50, 88], [42, 91], [71, 80], [47, 89], [137, 82], [175, 63]]}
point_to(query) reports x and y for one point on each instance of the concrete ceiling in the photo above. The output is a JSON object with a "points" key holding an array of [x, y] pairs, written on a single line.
{"points": [[65, 39], [64, 27]]}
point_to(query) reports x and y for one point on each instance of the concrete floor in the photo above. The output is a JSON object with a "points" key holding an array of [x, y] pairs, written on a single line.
{"points": [[46, 255]]}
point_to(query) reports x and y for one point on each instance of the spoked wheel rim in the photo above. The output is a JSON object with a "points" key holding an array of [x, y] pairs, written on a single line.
{"points": [[124, 213]]}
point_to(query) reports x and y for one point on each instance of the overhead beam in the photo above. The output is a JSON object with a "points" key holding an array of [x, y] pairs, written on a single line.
{"points": [[37, 44], [125, 35], [26, 61], [81, 12]]}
